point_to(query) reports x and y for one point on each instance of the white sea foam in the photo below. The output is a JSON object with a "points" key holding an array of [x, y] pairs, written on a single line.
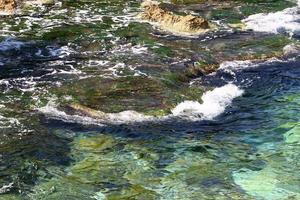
{"points": [[10, 44], [52, 112], [214, 103], [60, 52], [229, 66], [129, 48], [129, 116], [6, 188], [291, 50], [122, 70], [10, 123], [97, 63], [238, 65], [285, 21]]}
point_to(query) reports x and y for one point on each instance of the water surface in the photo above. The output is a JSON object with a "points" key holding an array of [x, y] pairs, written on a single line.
{"points": [[240, 143]]}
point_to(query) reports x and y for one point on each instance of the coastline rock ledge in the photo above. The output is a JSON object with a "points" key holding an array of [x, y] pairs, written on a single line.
{"points": [[8, 6], [168, 21]]}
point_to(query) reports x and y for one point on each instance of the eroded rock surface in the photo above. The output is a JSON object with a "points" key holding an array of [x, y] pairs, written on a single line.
{"points": [[8, 6], [183, 25]]}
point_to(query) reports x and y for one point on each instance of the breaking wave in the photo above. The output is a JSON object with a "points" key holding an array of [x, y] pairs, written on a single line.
{"points": [[214, 104], [286, 21]]}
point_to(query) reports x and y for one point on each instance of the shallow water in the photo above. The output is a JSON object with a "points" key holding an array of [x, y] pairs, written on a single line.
{"points": [[230, 134]]}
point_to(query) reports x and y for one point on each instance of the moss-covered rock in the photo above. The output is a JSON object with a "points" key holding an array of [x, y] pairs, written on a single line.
{"points": [[94, 144], [142, 94]]}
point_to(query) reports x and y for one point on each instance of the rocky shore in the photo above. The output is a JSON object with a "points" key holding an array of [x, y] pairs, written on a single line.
{"points": [[183, 25], [9, 7]]}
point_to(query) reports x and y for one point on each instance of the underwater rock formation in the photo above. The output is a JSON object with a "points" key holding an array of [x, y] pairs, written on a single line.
{"points": [[182, 25], [88, 111], [277, 180]]}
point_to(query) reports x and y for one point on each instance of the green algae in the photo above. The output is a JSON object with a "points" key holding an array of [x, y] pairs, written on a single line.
{"points": [[242, 9], [232, 11], [9, 197], [30, 166], [98, 168], [131, 172], [95, 143], [129, 93], [138, 33], [114, 168], [259, 6], [61, 189], [142, 94], [81, 180], [134, 192], [186, 1], [252, 47]]}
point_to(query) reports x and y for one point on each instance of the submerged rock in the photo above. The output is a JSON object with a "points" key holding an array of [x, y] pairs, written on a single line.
{"points": [[125, 116], [95, 144], [278, 179], [127, 97], [88, 111], [182, 25]]}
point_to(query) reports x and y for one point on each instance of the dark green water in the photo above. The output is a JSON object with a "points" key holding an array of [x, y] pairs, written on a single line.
{"points": [[243, 143]]}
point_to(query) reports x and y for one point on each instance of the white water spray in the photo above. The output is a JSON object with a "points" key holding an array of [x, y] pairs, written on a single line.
{"points": [[286, 21], [214, 103]]}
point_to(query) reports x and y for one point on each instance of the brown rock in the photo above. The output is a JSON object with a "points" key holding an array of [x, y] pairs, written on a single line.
{"points": [[8, 6], [183, 25], [39, 2]]}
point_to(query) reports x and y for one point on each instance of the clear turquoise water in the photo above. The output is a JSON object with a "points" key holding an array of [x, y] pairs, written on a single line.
{"points": [[96, 54]]}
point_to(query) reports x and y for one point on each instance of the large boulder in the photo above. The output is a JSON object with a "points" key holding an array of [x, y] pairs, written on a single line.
{"points": [[7, 6], [177, 24]]}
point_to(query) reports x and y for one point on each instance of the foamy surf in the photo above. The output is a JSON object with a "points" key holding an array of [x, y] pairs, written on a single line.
{"points": [[93, 117], [286, 21], [52, 112], [214, 104]]}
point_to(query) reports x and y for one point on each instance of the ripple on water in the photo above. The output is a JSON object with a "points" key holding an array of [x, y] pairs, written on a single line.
{"points": [[208, 149]]}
